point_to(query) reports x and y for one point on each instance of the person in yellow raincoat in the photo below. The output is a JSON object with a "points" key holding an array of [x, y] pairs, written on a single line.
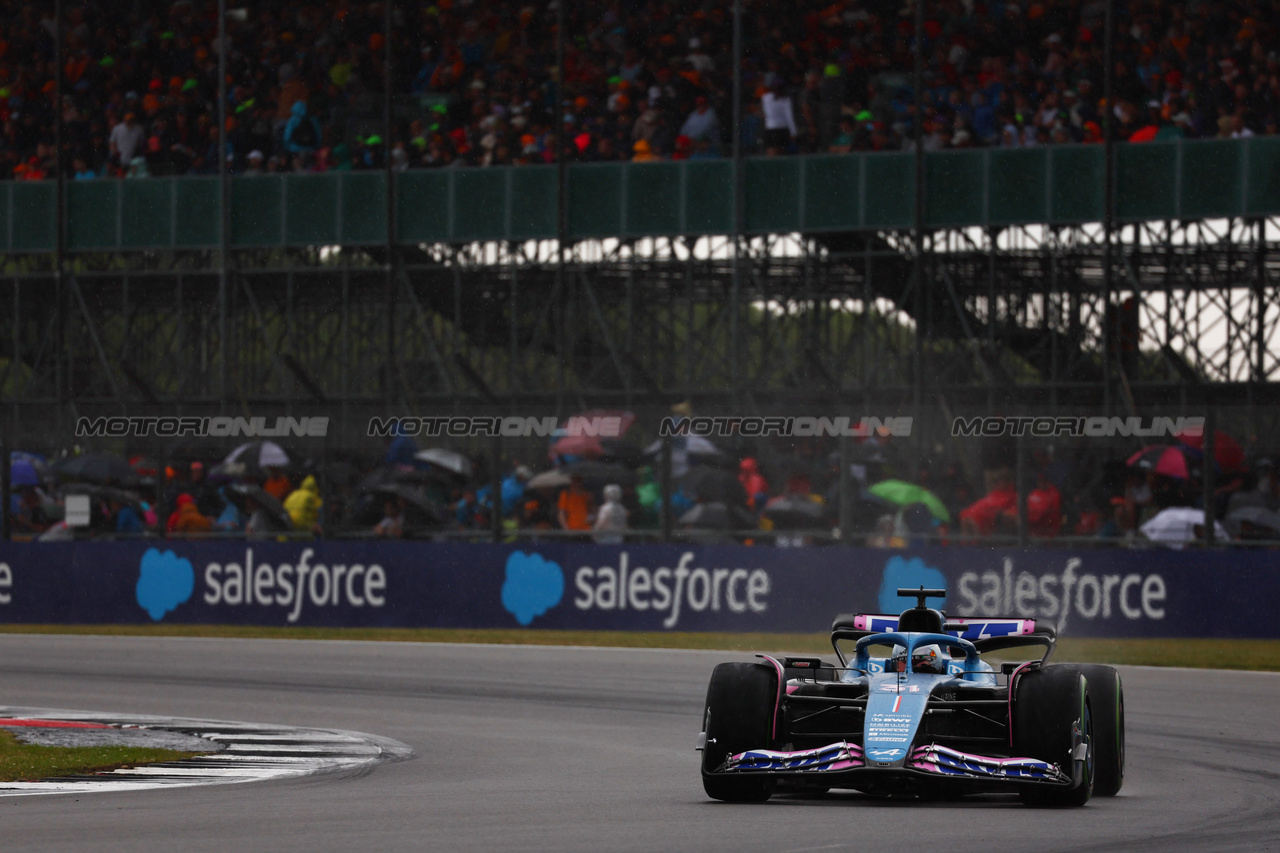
{"points": [[303, 506]]}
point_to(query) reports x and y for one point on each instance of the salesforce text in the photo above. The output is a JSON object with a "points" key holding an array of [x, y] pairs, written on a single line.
{"points": [[1056, 596], [639, 588], [289, 585]]}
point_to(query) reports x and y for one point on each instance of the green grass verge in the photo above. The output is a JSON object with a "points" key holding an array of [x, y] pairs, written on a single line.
{"points": [[1200, 653], [21, 762]]}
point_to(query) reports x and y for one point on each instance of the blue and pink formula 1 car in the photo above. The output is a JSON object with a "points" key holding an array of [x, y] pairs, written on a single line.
{"points": [[914, 709]]}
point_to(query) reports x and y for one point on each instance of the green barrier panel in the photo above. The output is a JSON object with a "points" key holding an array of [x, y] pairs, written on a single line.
{"points": [[831, 190], [1078, 177], [653, 198], [196, 221], [1017, 185], [93, 214], [771, 188], [1212, 178], [1146, 180], [1263, 176], [311, 209], [256, 211], [34, 217], [534, 197], [422, 206], [480, 204], [595, 200], [364, 208], [708, 196], [6, 213], [889, 191], [954, 188], [146, 214]]}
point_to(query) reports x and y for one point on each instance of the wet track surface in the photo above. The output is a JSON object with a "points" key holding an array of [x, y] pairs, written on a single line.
{"points": [[526, 748]]}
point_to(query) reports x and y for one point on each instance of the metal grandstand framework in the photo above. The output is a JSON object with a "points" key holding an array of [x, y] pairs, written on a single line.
{"points": [[1009, 317]]}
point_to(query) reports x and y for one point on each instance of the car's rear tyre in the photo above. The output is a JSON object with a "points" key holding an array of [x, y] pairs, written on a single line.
{"points": [[1049, 706], [1106, 699], [738, 716]]}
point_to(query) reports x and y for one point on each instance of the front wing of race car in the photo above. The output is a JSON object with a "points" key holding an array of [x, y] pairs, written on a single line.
{"points": [[844, 763]]}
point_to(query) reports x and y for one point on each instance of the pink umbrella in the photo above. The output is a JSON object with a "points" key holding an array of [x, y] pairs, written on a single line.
{"points": [[1166, 460], [604, 423]]}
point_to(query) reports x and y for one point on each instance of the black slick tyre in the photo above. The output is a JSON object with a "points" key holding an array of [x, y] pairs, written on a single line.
{"points": [[1051, 713], [1106, 700], [738, 716]]}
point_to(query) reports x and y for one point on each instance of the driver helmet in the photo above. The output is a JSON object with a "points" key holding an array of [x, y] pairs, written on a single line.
{"points": [[929, 659]]}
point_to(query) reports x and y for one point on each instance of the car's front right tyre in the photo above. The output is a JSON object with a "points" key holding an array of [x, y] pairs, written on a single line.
{"points": [[738, 716]]}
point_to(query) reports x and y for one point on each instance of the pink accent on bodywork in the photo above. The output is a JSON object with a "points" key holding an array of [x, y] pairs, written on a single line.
{"points": [[924, 758], [773, 732], [1028, 626], [792, 688], [860, 623], [1013, 683], [852, 752]]}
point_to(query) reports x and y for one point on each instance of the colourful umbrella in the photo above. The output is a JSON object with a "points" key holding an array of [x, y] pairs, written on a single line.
{"points": [[1228, 455], [1181, 463], [23, 473], [902, 493]]}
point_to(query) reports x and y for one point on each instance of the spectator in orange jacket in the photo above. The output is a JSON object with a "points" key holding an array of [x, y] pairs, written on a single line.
{"points": [[187, 518]]}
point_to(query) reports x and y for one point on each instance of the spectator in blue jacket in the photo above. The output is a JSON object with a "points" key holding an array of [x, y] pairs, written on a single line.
{"points": [[302, 133]]}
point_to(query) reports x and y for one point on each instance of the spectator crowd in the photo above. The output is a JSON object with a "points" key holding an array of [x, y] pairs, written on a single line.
{"points": [[476, 84], [588, 490]]}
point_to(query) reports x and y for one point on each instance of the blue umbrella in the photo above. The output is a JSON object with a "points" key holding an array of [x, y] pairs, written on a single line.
{"points": [[23, 473]]}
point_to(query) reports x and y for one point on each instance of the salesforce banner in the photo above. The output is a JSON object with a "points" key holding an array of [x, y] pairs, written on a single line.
{"points": [[1114, 593]]}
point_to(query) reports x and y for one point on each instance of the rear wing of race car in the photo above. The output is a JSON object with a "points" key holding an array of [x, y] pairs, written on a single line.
{"points": [[987, 635]]}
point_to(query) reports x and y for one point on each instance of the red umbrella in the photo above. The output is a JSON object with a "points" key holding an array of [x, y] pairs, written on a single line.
{"points": [[1146, 134], [1166, 460], [1228, 455]]}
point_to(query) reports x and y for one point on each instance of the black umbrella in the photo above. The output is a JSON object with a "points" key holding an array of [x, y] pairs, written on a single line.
{"points": [[718, 516], [103, 493], [597, 475], [240, 493], [413, 497], [102, 468], [621, 452], [714, 485], [796, 512]]}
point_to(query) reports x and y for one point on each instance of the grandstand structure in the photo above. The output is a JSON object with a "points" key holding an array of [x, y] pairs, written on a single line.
{"points": [[1112, 276], [1019, 298]]}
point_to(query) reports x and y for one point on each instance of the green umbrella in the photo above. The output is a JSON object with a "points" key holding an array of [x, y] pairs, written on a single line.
{"points": [[903, 493]]}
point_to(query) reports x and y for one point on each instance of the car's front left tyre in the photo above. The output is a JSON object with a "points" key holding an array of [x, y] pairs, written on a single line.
{"points": [[1106, 698], [1051, 717]]}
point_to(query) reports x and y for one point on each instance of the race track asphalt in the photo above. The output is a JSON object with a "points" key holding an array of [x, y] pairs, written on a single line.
{"points": [[535, 748]]}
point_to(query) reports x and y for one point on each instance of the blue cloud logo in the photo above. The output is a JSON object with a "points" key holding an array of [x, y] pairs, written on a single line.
{"points": [[533, 586], [900, 573], [166, 581]]}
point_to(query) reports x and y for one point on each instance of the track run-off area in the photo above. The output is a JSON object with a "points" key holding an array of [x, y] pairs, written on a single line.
{"points": [[582, 749]]}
